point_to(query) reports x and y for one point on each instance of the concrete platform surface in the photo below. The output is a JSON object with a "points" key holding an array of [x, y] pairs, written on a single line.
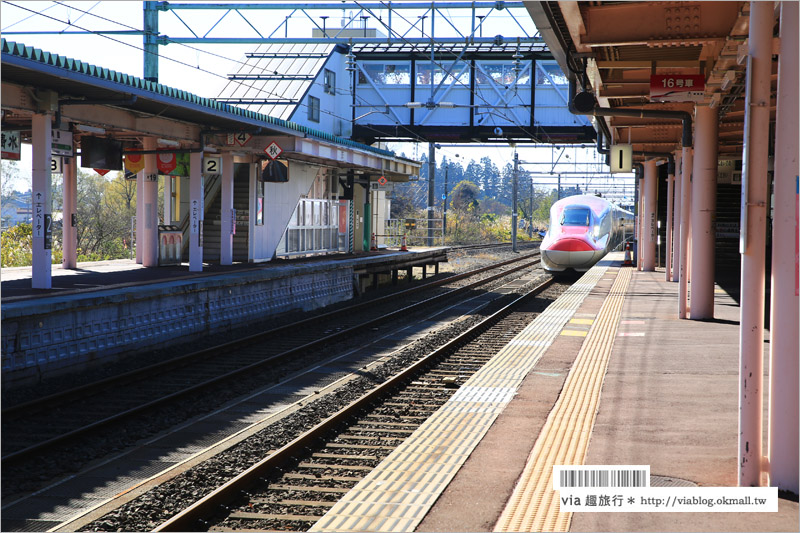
{"points": [[669, 400]]}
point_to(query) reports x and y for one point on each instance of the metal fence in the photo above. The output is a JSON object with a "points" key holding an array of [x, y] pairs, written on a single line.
{"points": [[415, 230], [316, 226]]}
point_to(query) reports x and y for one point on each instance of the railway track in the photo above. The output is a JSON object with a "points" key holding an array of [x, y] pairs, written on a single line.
{"points": [[66, 420], [294, 486]]}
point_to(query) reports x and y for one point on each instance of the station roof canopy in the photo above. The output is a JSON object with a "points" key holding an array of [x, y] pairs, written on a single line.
{"points": [[615, 49], [133, 107]]}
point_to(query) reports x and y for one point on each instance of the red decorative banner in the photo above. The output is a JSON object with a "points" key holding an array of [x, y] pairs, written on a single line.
{"points": [[166, 163], [101, 171], [134, 162]]}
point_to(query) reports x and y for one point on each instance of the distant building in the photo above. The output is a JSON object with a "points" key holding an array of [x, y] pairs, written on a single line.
{"points": [[16, 209]]}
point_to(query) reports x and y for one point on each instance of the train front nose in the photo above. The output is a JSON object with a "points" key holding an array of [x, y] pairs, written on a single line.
{"points": [[570, 252]]}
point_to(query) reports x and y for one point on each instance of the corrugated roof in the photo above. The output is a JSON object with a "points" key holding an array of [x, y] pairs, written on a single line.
{"points": [[37, 56]]}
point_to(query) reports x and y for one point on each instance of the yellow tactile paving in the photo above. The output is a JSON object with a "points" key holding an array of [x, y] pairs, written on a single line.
{"points": [[400, 491], [565, 436]]}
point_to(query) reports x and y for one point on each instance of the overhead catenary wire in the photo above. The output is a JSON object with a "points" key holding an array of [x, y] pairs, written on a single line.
{"points": [[447, 70]]}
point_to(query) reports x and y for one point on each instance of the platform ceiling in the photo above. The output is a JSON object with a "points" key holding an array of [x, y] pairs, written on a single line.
{"points": [[614, 47]]}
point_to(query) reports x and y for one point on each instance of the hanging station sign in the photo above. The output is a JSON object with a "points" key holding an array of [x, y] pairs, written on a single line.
{"points": [[677, 87], [621, 158], [11, 144]]}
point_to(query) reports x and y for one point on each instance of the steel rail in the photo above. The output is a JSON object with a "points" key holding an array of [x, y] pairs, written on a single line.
{"points": [[188, 519], [25, 452], [84, 390]]}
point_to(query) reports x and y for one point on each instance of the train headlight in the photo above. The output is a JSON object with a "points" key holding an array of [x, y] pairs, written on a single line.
{"points": [[596, 232]]}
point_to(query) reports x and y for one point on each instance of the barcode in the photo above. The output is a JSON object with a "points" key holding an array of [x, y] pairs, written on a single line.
{"points": [[593, 476]]}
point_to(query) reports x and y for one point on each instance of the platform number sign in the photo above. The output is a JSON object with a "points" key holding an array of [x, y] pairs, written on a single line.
{"points": [[621, 158], [212, 165], [273, 150], [241, 138], [56, 165]]}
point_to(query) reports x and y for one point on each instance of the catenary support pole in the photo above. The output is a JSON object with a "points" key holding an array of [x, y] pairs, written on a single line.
{"points": [[676, 219], [514, 204], [147, 231], [704, 206], [649, 216], [668, 232], [196, 208], [228, 226], [70, 214], [784, 348], [755, 205], [41, 202], [431, 187], [150, 41], [686, 188]]}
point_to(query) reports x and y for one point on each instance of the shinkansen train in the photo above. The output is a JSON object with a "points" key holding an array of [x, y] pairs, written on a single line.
{"points": [[582, 230]]}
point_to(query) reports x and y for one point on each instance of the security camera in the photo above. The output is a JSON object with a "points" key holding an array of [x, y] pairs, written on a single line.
{"points": [[498, 131]]}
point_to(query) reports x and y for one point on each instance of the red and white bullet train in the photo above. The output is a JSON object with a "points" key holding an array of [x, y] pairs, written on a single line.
{"points": [[583, 229]]}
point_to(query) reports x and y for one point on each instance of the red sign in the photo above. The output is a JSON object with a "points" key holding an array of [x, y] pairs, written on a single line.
{"points": [[166, 163], [677, 87], [382, 181], [101, 171]]}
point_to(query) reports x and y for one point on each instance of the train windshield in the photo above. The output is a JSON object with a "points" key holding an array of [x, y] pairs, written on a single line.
{"points": [[576, 216]]}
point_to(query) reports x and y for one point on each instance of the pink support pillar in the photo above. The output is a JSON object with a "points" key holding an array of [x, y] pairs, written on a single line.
{"points": [[69, 231], [784, 346], [755, 198], [668, 249], [649, 216], [139, 211], [640, 227], [683, 275], [676, 219], [196, 208], [149, 227], [704, 206], [41, 202], [228, 214]]}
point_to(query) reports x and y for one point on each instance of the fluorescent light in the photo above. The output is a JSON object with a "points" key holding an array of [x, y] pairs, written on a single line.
{"points": [[414, 105], [447, 104], [169, 143], [90, 129]]}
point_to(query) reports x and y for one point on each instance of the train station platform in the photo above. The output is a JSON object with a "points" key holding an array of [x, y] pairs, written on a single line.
{"points": [[607, 375], [104, 309]]}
